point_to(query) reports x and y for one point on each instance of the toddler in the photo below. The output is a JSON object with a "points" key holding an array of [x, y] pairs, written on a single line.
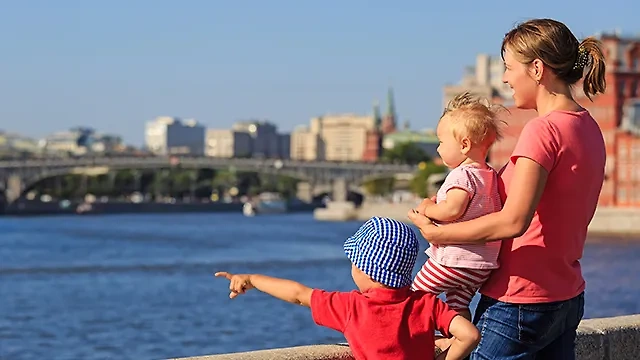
{"points": [[467, 129], [384, 319]]}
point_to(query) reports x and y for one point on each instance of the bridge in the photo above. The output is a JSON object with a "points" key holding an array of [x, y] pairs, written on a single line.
{"points": [[18, 175]]}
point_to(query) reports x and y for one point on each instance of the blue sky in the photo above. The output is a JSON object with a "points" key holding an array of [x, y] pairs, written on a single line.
{"points": [[114, 65]]}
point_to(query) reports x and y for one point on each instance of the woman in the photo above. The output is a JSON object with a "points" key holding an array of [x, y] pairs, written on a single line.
{"points": [[531, 306]]}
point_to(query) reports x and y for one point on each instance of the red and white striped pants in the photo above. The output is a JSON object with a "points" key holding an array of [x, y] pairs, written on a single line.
{"points": [[458, 284]]}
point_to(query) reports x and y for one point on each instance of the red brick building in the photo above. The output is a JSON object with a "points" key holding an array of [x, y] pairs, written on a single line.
{"points": [[386, 125], [618, 114]]}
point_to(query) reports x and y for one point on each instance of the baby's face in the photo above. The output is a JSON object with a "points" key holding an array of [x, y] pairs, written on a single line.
{"points": [[450, 148]]}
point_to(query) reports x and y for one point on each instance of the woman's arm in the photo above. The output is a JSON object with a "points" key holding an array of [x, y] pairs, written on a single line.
{"points": [[526, 187]]}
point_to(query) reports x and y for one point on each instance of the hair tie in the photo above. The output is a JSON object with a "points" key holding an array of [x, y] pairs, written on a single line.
{"points": [[582, 59]]}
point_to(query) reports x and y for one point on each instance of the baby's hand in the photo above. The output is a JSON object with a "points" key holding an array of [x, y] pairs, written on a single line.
{"points": [[238, 284], [424, 204]]}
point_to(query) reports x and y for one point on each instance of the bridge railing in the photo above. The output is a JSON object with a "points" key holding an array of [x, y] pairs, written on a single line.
{"points": [[204, 161]]}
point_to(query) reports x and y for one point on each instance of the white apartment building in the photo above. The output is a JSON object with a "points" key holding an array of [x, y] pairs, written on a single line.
{"points": [[172, 136]]}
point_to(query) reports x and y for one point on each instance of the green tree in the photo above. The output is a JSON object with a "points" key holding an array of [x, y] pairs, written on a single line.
{"points": [[419, 184], [222, 181], [380, 186], [406, 153]]}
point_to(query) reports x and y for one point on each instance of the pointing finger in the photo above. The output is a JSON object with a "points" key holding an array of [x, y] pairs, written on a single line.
{"points": [[224, 274]]}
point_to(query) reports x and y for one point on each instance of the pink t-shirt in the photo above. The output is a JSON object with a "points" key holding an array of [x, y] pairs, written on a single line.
{"points": [[543, 265], [484, 198]]}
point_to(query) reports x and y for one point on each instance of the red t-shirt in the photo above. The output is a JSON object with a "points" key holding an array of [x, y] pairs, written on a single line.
{"points": [[384, 323], [543, 265]]}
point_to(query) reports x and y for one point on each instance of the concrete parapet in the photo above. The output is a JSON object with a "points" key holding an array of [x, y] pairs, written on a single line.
{"points": [[606, 221], [312, 352], [615, 221], [614, 338], [336, 211]]}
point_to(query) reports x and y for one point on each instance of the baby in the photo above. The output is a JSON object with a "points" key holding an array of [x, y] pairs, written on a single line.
{"points": [[467, 129]]}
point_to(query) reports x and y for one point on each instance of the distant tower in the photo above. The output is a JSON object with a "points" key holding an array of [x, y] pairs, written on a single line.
{"points": [[376, 114], [373, 146], [389, 121]]}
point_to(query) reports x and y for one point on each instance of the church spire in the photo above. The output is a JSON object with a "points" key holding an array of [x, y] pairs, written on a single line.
{"points": [[391, 106], [376, 114], [389, 122]]}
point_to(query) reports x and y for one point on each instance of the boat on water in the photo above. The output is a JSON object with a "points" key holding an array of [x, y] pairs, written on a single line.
{"points": [[265, 203], [248, 209]]}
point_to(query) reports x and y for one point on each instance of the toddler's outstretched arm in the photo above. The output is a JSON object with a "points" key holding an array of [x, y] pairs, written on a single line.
{"points": [[282, 289]]}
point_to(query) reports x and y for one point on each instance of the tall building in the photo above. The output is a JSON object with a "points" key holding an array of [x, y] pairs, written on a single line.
{"points": [[617, 113], [172, 136]]}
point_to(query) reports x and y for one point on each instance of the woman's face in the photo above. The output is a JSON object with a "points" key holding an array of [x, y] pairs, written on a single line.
{"points": [[518, 76]]}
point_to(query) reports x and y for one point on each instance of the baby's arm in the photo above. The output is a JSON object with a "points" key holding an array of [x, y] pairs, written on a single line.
{"points": [[282, 289], [450, 209]]}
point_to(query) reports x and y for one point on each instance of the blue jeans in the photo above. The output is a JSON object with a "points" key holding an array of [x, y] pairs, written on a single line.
{"points": [[527, 331]]}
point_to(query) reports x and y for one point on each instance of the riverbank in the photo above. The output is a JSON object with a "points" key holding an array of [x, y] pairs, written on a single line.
{"points": [[38, 208], [620, 222]]}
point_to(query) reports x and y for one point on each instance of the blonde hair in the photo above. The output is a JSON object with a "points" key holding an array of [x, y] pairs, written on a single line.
{"points": [[475, 118], [555, 45]]}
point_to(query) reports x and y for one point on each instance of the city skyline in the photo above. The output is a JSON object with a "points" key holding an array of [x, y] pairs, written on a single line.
{"points": [[116, 66]]}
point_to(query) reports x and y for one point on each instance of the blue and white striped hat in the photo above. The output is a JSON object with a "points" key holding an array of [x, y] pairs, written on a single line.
{"points": [[386, 250]]}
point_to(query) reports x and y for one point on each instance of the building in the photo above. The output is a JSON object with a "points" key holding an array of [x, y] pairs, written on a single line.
{"points": [[228, 144], [483, 80], [340, 137], [373, 146], [343, 136], [428, 142], [81, 141], [173, 136], [266, 141], [264, 135], [617, 114], [12, 144], [284, 146], [306, 145]]}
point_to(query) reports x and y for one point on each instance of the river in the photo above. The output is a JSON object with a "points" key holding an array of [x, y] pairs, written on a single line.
{"points": [[141, 286]]}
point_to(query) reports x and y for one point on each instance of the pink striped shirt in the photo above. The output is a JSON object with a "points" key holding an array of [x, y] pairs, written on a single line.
{"points": [[482, 186]]}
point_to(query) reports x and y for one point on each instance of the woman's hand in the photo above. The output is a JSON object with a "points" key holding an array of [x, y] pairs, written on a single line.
{"points": [[423, 223]]}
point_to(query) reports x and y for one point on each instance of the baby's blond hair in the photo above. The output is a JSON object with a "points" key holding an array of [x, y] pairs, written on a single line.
{"points": [[475, 118]]}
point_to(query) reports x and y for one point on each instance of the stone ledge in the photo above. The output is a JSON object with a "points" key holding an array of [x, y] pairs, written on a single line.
{"points": [[311, 352], [614, 338]]}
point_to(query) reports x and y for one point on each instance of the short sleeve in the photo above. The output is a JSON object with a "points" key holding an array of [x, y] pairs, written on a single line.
{"points": [[538, 142], [443, 315], [458, 178], [331, 309]]}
